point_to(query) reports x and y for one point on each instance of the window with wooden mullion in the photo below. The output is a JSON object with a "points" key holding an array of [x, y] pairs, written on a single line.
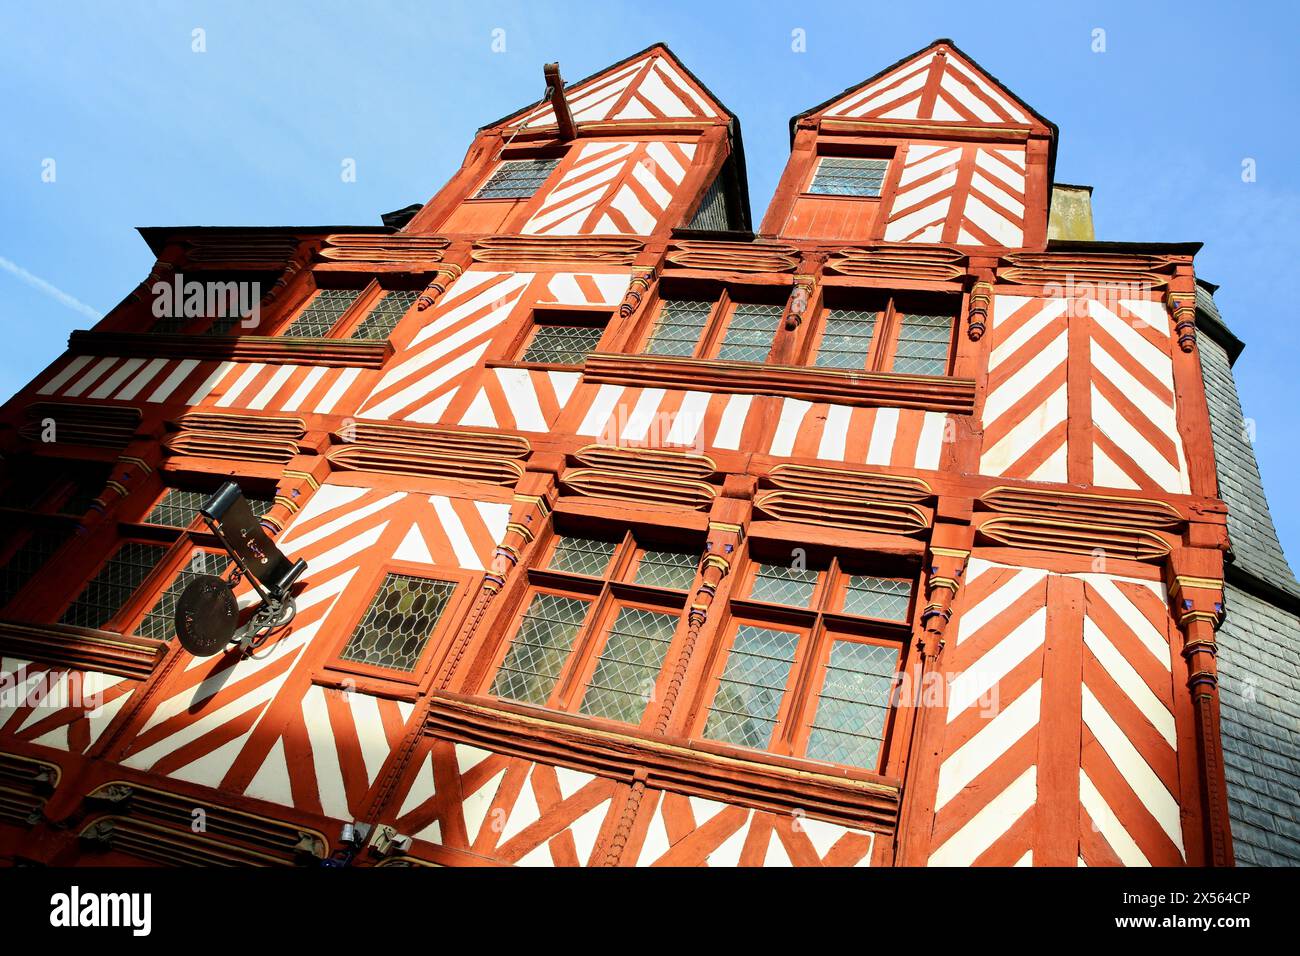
{"points": [[595, 628], [721, 326], [886, 334], [810, 659]]}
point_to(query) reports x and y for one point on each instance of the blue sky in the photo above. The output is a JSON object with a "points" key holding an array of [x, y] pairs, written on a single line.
{"points": [[145, 131]]}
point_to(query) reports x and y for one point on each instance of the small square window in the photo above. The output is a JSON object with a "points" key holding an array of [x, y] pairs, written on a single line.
{"points": [[745, 706], [846, 339], [541, 645], [587, 556], [779, 584], [398, 622], [562, 344], [750, 332], [923, 342], [678, 327], [853, 705], [848, 176], [623, 684], [180, 506], [886, 598], [517, 178], [385, 315], [667, 569], [110, 589]]}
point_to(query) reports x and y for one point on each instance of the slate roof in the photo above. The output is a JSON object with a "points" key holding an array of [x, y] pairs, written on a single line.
{"points": [[1259, 643]]}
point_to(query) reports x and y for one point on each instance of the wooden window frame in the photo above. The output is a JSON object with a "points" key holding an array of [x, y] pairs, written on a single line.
{"points": [[606, 596], [819, 626], [725, 299], [511, 352], [884, 339], [517, 157], [816, 165], [335, 671]]}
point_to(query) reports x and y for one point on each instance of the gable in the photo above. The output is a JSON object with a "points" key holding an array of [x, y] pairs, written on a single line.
{"points": [[650, 86], [937, 85]]}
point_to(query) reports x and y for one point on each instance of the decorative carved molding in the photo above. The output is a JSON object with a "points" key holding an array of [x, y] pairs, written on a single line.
{"points": [[800, 297], [981, 298], [441, 281], [25, 784], [244, 437], [1067, 269], [430, 452], [1089, 538], [611, 250], [836, 386], [845, 483], [1118, 511], [764, 782], [250, 251], [270, 426], [857, 514], [638, 486], [1182, 306], [103, 426], [275, 349], [893, 262], [385, 247], [643, 278], [762, 255], [648, 460], [81, 648]]}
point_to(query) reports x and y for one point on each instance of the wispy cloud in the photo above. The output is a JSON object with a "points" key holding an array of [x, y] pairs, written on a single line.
{"points": [[54, 292]]}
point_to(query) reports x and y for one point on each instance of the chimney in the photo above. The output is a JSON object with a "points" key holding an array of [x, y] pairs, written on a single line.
{"points": [[1071, 213]]}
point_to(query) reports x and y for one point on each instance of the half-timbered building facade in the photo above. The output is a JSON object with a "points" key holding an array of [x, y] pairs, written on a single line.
{"points": [[886, 533]]}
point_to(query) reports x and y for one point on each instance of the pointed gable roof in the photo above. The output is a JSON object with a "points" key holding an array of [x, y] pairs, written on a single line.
{"points": [[647, 86], [937, 84]]}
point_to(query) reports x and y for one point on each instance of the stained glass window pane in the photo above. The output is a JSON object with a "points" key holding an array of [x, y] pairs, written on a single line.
{"points": [[588, 556], [923, 344], [667, 569], [750, 332], [847, 176], [624, 680], [322, 312], [678, 327], [398, 622], [116, 581], [540, 647], [854, 702], [562, 344], [385, 314], [749, 695], [781, 584], [885, 598], [517, 178], [846, 338]]}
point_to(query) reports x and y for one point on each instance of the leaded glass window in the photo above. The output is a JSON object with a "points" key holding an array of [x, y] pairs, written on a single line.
{"points": [[750, 332], [923, 344], [782, 584], [853, 705], [322, 313], [667, 569], [748, 699], [846, 339], [180, 506], [886, 598], [517, 178], [541, 645], [399, 621], [562, 344], [587, 556], [29, 558], [113, 586], [848, 176], [626, 670], [385, 314], [678, 327], [159, 622]]}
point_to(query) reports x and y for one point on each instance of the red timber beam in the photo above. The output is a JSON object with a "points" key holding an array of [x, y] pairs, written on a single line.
{"points": [[559, 102]]}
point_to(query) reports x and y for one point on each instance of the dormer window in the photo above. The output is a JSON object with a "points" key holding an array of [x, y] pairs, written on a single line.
{"points": [[517, 178], [848, 176]]}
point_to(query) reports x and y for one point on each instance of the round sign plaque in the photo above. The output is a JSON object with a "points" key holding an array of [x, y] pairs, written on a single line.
{"points": [[206, 615]]}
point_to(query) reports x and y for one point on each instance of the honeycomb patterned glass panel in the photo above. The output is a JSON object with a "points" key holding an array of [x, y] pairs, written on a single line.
{"points": [[398, 622], [678, 327], [848, 176], [160, 622], [322, 312], [562, 344], [923, 344], [885, 598], [749, 695], [387, 312], [116, 581], [180, 506], [667, 569], [587, 556], [517, 178], [624, 680], [854, 702], [846, 339], [750, 332], [540, 647], [30, 557], [779, 584]]}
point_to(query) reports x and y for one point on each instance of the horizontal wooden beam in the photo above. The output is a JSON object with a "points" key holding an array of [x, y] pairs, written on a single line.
{"points": [[277, 350]]}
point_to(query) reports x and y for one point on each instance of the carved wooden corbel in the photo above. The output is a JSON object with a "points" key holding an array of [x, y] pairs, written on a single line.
{"points": [[447, 273], [1182, 306], [981, 299], [643, 280], [947, 568], [800, 299]]}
